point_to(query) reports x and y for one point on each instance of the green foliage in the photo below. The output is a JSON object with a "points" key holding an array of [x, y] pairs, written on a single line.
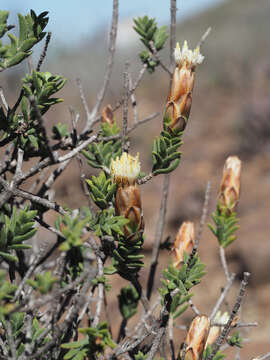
{"points": [[140, 356], [3, 23], [15, 229], [101, 190], [165, 154], [17, 322], [92, 346], [38, 89], [235, 340], [207, 352], [72, 230], [128, 301], [183, 280], [30, 33], [43, 282], [108, 224], [127, 258], [60, 131], [7, 291], [109, 129], [101, 154], [102, 280], [41, 86], [149, 32], [225, 227]]}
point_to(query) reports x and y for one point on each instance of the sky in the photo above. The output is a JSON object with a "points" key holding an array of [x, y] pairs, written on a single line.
{"points": [[77, 20]]}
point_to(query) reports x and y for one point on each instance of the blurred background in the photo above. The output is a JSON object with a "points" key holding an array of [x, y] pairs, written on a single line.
{"points": [[230, 116]]}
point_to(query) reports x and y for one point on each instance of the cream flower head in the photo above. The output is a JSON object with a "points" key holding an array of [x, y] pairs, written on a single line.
{"points": [[126, 169], [221, 319], [185, 55]]}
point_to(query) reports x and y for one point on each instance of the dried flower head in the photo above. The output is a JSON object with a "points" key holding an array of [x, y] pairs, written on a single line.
{"points": [[184, 242], [126, 169], [196, 337], [230, 185], [186, 56], [214, 332]]}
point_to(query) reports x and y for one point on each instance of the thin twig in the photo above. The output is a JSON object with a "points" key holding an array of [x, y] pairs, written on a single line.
{"points": [[172, 31], [224, 262], [171, 342], [42, 127], [203, 38], [100, 293], [204, 213], [52, 178], [238, 349], [264, 357], [156, 343], [11, 339], [155, 53], [83, 99], [158, 235], [222, 296], [44, 51], [18, 171], [194, 307], [131, 91], [225, 331], [125, 109], [133, 100], [112, 41], [2, 96], [145, 179], [26, 277]]}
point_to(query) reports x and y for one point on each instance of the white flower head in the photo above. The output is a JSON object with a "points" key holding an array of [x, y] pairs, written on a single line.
{"points": [[126, 169], [185, 55], [221, 319]]}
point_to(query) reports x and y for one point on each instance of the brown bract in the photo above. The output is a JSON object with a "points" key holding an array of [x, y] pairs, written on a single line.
{"points": [[128, 204], [196, 337], [230, 185], [107, 115], [184, 242]]}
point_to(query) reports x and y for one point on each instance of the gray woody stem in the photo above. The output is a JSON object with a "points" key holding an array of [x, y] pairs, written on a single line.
{"points": [[113, 34], [224, 333]]}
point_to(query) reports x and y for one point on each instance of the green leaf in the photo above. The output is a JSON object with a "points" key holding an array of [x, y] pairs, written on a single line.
{"points": [[16, 59], [33, 141], [9, 257]]}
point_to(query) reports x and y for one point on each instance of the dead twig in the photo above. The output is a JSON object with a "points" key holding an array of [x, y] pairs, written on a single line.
{"points": [[225, 331], [158, 235], [44, 51], [112, 41]]}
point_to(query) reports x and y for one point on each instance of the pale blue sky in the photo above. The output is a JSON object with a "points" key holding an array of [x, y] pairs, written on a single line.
{"points": [[76, 20]]}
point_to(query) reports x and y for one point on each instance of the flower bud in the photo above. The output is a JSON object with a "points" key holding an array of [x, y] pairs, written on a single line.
{"points": [[216, 330], [180, 97], [125, 171], [107, 115], [184, 242], [196, 337], [230, 185]]}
